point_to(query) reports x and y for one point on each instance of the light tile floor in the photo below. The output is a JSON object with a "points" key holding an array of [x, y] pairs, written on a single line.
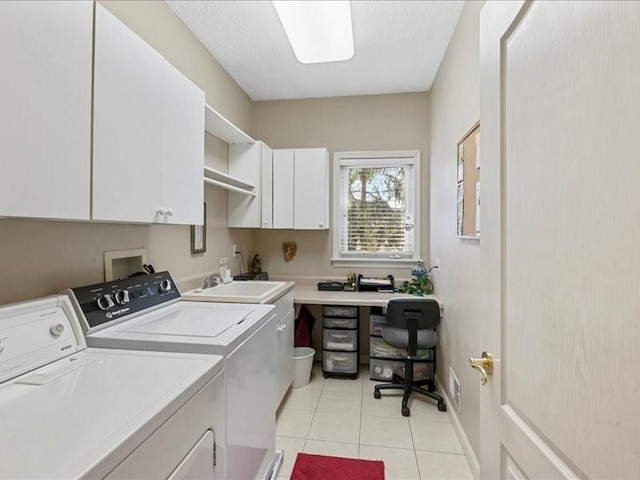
{"points": [[340, 417]]}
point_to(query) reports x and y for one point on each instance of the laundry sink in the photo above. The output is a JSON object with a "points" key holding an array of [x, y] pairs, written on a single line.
{"points": [[240, 292]]}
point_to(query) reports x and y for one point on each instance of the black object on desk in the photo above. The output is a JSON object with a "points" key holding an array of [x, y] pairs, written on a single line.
{"points": [[382, 285], [330, 286]]}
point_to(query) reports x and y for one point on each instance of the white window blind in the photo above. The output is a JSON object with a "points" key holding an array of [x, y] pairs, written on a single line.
{"points": [[377, 208]]}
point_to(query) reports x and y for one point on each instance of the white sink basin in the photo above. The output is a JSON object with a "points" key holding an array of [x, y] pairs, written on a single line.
{"points": [[238, 292]]}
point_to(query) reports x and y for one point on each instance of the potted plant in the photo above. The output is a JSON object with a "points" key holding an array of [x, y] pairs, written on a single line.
{"points": [[420, 284]]}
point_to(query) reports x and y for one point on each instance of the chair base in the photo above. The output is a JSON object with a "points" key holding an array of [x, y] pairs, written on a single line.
{"points": [[410, 387]]}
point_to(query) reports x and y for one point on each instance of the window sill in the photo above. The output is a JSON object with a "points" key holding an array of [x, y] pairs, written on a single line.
{"points": [[373, 262]]}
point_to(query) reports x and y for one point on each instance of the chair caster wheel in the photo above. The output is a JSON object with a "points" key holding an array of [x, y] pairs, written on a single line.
{"points": [[405, 411], [442, 407], [377, 394]]}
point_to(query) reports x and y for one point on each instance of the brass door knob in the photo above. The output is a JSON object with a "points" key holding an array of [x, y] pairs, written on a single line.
{"points": [[484, 365]]}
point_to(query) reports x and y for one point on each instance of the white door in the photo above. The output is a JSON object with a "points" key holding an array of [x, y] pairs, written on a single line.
{"points": [[183, 149], [199, 462], [127, 124], [283, 187], [285, 362], [45, 117], [560, 112], [311, 189], [266, 182], [245, 162]]}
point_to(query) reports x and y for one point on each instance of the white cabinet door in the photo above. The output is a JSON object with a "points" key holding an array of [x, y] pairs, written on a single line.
{"points": [[283, 188], [198, 464], [245, 162], [183, 149], [311, 189], [45, 93], [285, 373], [127, 124], [267, 187]]}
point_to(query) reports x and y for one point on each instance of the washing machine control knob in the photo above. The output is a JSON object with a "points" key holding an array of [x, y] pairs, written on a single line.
{"points": [[165, 286], [57, 329], [121, 297], [105, 302]]}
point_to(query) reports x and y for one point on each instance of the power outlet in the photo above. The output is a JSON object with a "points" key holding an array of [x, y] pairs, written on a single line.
{"points": [[436, 266], [233, 251]]}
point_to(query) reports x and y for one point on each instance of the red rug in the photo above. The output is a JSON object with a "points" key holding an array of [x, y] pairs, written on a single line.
{"points": [[321, 467]]}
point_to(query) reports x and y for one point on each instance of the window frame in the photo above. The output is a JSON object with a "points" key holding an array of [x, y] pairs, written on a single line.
{"points": [[410, 157]]}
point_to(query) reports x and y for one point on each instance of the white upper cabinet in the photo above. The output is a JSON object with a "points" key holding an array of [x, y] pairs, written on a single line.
{"points": [[183, 149], [283, 184], [252, 163], [301, 189], [45, 96], [148, 132], [311, 189]]}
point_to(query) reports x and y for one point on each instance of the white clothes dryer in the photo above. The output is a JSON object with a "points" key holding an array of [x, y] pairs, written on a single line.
{"points": [[68, 411], [145, 313]]}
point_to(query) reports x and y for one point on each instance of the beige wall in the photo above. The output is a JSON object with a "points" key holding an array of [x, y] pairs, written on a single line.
{"points": [[372, 122], [455, 107], [41, 257]]}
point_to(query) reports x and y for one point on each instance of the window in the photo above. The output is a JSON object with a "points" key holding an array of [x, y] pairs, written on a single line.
{"points": [[376, 208]]}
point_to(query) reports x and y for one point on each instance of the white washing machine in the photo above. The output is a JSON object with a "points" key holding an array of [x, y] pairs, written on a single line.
{"points": [[68, 411], [145, 313]]}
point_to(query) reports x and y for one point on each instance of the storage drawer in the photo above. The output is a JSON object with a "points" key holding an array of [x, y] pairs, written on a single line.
{"points": [[380, 348], [331, 322], [339, 339], [339, 311], [380, 369], [341, 362], [376, 322]]}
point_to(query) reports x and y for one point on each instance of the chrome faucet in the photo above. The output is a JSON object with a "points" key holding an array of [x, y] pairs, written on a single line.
{"points": [[212, 281]]}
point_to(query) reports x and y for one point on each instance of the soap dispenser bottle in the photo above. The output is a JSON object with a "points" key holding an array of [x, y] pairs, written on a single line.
{"points": [[223, 269]]}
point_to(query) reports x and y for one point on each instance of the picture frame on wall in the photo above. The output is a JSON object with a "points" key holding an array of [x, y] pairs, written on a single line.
{"points": [[199, 234], [468, 188], [460, 162], [460, 207]]}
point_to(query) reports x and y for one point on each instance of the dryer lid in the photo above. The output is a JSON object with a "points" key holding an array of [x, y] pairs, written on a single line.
{"points": [[82, 415], [37, 333]]}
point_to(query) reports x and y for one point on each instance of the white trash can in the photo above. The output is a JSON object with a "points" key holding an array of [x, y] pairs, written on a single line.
{"points": [[302, 364]]}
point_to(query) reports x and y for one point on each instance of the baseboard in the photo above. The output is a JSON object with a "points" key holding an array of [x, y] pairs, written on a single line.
{"points": [[457, 426]]}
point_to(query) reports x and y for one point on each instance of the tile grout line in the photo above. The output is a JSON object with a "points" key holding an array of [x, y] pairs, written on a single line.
{"points": [[415, 452], [315, 410]]}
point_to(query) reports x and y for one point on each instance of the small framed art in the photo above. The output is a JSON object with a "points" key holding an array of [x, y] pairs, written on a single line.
{"points": [[199, 234]]}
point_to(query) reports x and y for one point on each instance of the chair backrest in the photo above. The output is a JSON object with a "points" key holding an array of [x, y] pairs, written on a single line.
{"points": [[413, 314], [425, 312]]}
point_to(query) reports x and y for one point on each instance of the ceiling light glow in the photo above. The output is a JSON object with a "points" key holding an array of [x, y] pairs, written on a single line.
{"points": [[319, 31]]}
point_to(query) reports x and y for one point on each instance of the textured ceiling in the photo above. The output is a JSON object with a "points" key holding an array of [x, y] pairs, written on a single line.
{"points": [[398, 47]]}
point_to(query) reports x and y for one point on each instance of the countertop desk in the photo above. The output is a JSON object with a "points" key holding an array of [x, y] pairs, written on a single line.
{"points": [[310, 295]]}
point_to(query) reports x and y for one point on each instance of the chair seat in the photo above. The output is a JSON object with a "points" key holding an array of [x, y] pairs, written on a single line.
{"points": [[399, 337]]}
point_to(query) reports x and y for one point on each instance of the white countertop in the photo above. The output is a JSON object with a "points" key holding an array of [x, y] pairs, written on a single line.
{"points": [[311, 295], [235, 292]]}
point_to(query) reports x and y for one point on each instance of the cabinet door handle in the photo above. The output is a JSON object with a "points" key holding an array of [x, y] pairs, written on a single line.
{"points": [[169, 211], [161, 211]]}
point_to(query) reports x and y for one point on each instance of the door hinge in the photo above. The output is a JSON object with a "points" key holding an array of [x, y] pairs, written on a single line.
{"points": [[215, 448]]}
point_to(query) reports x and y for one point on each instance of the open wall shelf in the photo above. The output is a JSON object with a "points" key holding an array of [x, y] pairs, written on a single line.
{"points": [[220, 127], [224, 180]]}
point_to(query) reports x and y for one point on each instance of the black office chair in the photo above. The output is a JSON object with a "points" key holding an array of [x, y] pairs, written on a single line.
{"points": [[411, 324]]}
